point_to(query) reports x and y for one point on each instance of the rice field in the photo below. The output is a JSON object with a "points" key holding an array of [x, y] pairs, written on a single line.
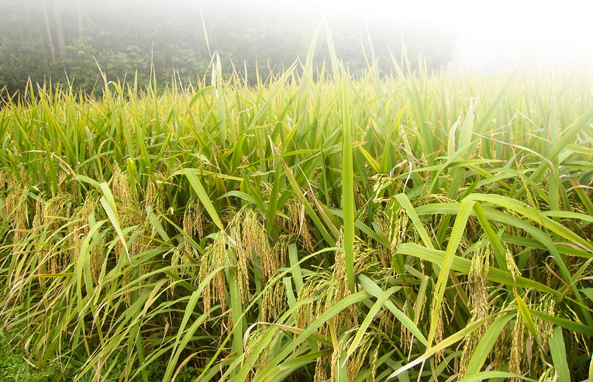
{"points": [[316, 226]]}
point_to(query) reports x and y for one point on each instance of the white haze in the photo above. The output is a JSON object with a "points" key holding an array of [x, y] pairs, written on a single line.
{"points": [[492, 32]]}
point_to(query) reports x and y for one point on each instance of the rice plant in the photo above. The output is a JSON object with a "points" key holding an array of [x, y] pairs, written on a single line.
{"points": [[420, 227]]}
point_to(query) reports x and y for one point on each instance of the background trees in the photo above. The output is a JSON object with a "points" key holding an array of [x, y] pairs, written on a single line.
{"points": [[69, 40]]}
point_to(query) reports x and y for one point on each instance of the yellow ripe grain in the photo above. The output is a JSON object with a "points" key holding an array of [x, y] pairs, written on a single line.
{"points": [[98, 257], [215, 256], [517, 349], [321, 367], [155, 194], [477, 289], [192, 220]]}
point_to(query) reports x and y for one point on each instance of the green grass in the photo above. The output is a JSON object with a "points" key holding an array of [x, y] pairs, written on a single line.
{"points": [[424, 226], [14, 365]]}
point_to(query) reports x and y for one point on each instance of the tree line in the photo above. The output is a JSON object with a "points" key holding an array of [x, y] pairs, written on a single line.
{"points": [[78, 41]]}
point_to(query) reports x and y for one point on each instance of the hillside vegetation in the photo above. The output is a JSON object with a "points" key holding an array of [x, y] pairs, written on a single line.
{"points": [[77, 42], [432, 227]]}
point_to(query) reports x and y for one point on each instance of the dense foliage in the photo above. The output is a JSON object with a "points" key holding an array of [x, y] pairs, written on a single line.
{"points": [[72, 41], [433, 227]]}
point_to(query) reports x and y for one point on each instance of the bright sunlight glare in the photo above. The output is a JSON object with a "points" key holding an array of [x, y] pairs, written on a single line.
{"points": [[490, 32]]}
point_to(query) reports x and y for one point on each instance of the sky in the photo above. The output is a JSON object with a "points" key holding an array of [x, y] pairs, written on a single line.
{"points": [[494, 31]]}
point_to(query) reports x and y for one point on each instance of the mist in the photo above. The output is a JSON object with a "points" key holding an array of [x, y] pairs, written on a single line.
{"points": [[79, 41], [490, 34]]}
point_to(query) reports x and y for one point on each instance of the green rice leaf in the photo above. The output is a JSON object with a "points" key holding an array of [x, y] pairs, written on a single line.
{"points": [[492, 375], [486, 344], [368, 319], [558, 350], [202, 195], [456, 234]]}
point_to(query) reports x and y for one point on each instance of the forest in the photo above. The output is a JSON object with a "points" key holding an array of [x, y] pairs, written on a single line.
{"points": [[76, 42]]}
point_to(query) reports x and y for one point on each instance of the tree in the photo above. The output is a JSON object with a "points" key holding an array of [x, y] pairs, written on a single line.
{"points": [[66, 39]]}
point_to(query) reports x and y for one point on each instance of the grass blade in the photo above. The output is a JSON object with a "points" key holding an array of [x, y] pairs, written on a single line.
{"points": [[558, 350], [458, 229]]}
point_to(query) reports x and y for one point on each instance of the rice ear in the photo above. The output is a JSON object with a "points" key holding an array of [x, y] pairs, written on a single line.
{"points": [[192, 219]]}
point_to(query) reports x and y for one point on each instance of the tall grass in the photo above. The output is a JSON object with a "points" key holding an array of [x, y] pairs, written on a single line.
{"points": [[423, 226]]}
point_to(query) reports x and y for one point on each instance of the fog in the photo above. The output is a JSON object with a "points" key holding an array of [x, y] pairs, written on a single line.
{"points": [[493, 33], [71, 39]]}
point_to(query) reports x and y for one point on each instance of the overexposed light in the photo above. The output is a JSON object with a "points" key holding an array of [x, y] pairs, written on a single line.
{"points": [[489, 31]]}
